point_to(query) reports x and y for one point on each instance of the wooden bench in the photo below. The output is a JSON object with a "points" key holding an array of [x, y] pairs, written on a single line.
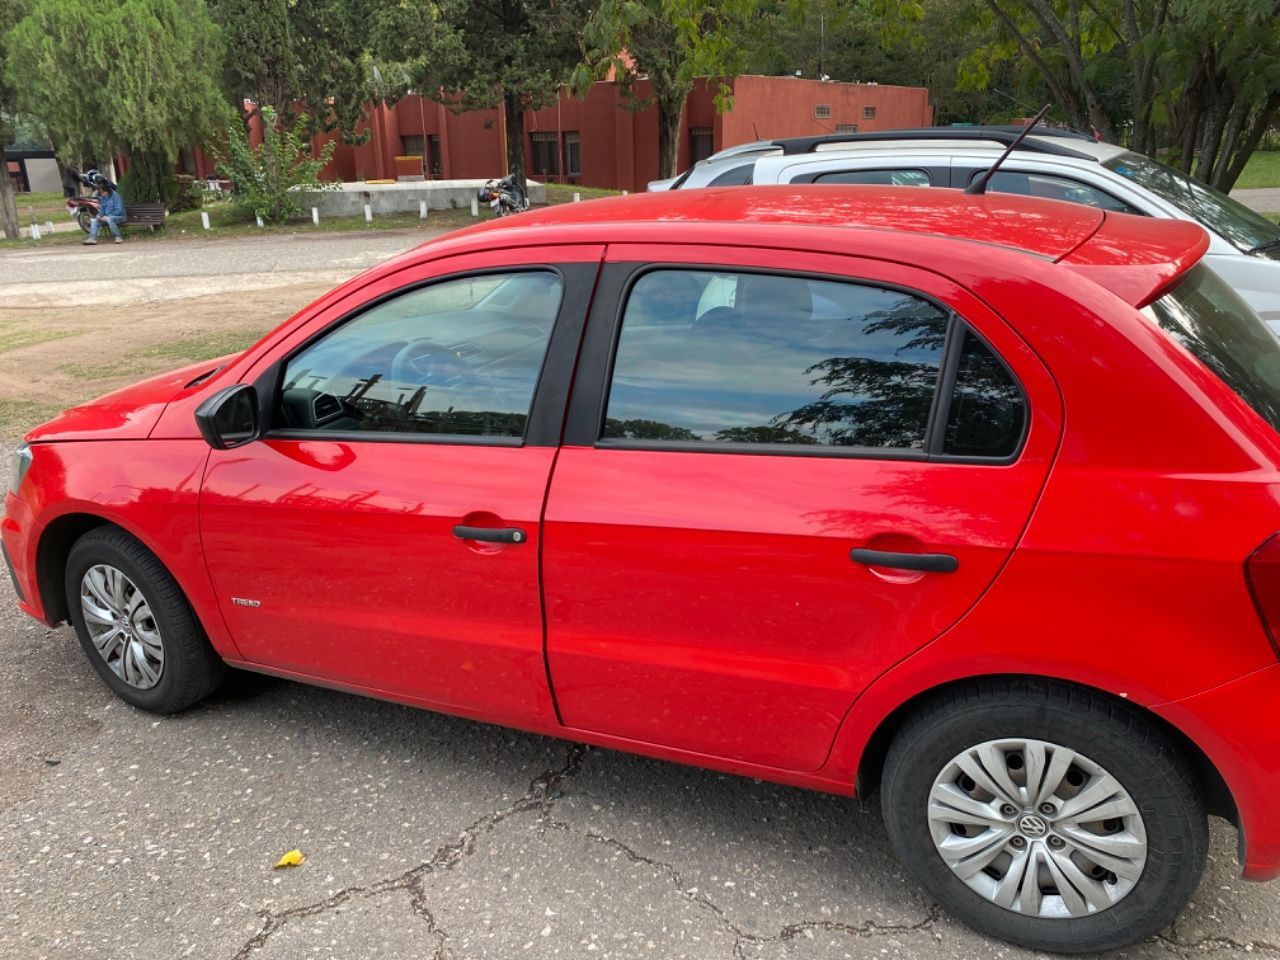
{"points": [[149, 215]]}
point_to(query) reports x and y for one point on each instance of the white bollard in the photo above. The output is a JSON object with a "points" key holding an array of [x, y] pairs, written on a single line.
{"points": [[259, 219], [475, 207], [368, 213], [422, 209], [35, 231], [315, 216], [204, 219], [577, 198], [48, 226], [624, 193]]}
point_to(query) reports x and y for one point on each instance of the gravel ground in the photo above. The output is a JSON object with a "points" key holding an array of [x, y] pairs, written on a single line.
{"points": [[1265, 200], [124, 835]]}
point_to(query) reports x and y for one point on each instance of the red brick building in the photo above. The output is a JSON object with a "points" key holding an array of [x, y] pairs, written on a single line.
{"points": [[599, 142]]}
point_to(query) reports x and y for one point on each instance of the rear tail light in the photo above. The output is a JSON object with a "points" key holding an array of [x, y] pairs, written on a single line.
{"points": [[1262, 574]]}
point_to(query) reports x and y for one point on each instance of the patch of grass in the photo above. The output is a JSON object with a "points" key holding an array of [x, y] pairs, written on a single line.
{"points": [[1262, 170], [19, 416], [16, 334], [226, 222], [563, 193], [167, 355], [1273, 216]]}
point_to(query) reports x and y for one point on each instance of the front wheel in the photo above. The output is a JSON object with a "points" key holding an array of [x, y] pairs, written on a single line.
{"points": [[1050, 817], [135, 624]]}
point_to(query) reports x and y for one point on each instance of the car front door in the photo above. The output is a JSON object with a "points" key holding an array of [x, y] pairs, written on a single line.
{"points": [[775, 486], [384, 532]]}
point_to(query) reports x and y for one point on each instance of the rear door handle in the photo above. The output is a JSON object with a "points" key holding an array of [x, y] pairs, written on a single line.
{"points": [[928, 562], [490, 534]]}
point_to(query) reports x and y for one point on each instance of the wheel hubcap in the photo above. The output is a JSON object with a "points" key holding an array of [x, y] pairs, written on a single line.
{"points": [[122, 626], [1037, 828]]}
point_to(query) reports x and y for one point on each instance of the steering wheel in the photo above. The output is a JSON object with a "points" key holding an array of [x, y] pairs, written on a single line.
{"points": [[429, 364]]}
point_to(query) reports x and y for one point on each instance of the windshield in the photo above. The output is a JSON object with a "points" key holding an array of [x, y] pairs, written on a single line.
{"points": [[1242, 227], [1208, 318]]}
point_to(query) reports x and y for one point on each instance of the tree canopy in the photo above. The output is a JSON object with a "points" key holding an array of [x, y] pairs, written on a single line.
{"points": [[118, 75]]}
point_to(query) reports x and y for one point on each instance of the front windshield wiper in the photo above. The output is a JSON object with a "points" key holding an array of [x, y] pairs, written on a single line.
{"points": [[1265, 246]]}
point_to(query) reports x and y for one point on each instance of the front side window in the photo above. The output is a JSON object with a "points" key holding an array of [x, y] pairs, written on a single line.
{"points": [[1053, 188], [730, 357], [460, 357]]}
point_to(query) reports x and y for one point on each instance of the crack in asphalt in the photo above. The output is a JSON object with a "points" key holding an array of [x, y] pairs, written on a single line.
{"points": [[742, 938], [543, 790], [548, 787]]}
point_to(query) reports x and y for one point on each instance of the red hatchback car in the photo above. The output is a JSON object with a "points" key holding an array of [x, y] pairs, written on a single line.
{"points": [[968, 498]]}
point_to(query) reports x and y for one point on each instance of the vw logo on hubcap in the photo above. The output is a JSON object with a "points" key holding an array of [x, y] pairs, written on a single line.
{"points": [[1032, 826]]}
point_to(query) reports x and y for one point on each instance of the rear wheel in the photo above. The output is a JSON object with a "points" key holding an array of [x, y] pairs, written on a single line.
{"points": [[1051, 817], [135, 625], [84, 218]]}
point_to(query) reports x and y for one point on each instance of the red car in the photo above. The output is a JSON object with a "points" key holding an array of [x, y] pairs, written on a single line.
{"points": [[967, 499]]}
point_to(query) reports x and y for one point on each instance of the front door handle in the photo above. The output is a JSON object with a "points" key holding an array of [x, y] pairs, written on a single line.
{"points": [[928, 562], [490, 534]]}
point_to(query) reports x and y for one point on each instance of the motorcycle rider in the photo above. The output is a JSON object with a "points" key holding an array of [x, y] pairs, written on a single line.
{"points": [[110, 211]]}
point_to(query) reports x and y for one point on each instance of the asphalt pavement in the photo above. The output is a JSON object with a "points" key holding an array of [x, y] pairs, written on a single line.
{"points": [[126, 836]]}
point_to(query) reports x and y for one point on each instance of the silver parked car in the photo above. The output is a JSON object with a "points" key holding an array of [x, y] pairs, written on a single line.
{"points": [[1244, 246]]}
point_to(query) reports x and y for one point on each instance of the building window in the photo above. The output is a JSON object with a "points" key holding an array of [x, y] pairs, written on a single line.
{"points": [[572, 154], [435, 162], [868, 113], [411, 146], [700, 145], [846, 128], [822, 111], [545, 161]]}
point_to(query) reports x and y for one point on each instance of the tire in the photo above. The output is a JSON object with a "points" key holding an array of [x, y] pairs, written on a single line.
{"points": [[164, 629], [1019, 723], [84, 218]]}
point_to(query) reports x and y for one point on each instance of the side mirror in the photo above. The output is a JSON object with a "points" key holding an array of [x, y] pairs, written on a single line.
{"points": [[229, 418]]}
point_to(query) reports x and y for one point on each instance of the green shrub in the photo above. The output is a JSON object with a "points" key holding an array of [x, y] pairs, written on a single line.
{"points": [[265, 176]]}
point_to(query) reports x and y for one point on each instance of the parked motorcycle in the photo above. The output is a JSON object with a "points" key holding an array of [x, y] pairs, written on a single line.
{"points": [[504, 196], [85, 209]]}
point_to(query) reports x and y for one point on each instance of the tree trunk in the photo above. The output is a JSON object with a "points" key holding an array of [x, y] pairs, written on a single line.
{"points": [[1240, 111], [669, 116], [514, 113], [1249, 143], [8, 202]]}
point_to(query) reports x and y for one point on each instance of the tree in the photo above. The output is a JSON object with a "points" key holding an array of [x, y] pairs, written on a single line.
{"points": [[474, 56], [107, 76], [266, 175], [670, 42], [304, 55], [11, 11]]}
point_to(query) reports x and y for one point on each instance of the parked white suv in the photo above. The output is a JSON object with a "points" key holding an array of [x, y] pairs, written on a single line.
{"points": [[1244, 246]]}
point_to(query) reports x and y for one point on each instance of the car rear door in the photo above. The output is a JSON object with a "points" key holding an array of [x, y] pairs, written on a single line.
{"points": [[384, 533], [774, 485]]}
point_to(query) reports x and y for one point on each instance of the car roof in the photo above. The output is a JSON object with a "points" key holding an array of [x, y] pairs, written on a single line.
{"points": [[1045, 228], [1135, 257]]}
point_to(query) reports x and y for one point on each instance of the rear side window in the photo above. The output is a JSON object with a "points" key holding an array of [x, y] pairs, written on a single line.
{"points": [[887, 178], [746, 358], [987, 413], [1208, 318], [734, 177]]}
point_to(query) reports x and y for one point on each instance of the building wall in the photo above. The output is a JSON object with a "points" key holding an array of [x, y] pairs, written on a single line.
{"points": [[619, 145]]}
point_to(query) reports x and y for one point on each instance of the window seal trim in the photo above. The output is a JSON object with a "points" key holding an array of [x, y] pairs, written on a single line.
{"points": [[270, 382], [957, 325]]}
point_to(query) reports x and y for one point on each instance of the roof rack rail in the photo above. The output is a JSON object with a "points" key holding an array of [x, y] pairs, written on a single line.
{"points": [[1000, 135]]}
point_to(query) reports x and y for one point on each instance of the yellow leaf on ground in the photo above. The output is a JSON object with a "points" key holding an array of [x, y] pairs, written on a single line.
{"points": [[293, 858]]}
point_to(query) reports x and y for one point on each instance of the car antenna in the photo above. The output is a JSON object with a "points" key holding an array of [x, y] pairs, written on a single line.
{"points": [[979, 185]]}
